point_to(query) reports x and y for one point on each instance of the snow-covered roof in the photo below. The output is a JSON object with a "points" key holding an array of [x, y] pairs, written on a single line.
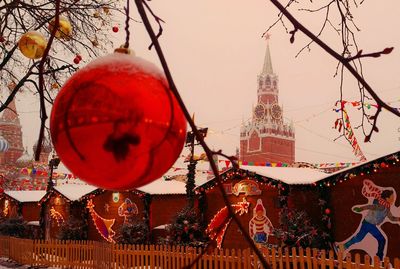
{"points": [[161, 227], [162, 186], [74, 191], [288, 175], [26, 196]]}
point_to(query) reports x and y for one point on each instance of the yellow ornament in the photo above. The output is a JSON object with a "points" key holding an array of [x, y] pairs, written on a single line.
{"points": [[32, 45], [64, 30]]}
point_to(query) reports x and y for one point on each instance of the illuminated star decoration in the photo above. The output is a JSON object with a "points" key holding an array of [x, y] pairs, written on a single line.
{"points": [[217, 227], [54, 214], [267, 36], [102, 225]]}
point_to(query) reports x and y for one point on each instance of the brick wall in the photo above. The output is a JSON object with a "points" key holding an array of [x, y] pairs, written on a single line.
{"points": [[273, 150]]}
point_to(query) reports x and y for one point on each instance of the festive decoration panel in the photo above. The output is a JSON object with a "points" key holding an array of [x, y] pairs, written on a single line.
{"points": [[380, 208], [217, 227], [103, 226], [260, 227], [57, 216]]}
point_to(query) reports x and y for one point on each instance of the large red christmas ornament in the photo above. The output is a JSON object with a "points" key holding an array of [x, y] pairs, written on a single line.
{"points": [[116, 124]]}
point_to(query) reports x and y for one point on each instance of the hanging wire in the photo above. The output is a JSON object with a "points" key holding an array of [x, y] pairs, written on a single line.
{"points": [[127, 25]]}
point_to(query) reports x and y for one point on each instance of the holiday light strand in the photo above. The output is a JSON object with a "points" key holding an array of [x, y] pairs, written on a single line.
{"points": [[103, 226]]}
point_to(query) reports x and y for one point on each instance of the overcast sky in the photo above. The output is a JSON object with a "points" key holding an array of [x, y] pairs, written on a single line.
{"points": [[215, 52]]}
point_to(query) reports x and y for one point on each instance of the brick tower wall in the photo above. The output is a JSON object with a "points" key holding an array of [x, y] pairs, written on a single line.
{"points": [[272, 149]]}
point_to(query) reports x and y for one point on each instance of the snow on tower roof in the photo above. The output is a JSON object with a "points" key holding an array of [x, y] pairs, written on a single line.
{"points": [[74, 191], [288, 175], [26, 196]]}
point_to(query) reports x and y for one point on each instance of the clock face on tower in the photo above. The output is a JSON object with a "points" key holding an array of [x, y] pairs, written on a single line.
{"points": [[259, 111], [276, 111]]}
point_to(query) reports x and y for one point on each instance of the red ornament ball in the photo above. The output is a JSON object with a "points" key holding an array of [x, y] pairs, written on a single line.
{"points": [[327, 211], [116, 124], [76, 60], [115, 29], [79, 57]]}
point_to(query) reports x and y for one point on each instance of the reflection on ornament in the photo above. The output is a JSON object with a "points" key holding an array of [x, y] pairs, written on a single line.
{"points": [[64, 30], [32, 45], [106, 207], [103, 226], [217, 227], [119, 115], [54, 214], [127, 210]]}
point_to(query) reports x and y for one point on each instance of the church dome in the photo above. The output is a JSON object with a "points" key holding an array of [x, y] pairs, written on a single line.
{"points": [[25, 160], [4, 145], [46, 146]]}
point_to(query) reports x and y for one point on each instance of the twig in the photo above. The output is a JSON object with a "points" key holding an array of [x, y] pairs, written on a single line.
{"points": [[199, 137], [334, 54], [43, 114]]}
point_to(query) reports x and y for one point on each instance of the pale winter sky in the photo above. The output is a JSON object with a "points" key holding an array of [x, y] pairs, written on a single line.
{"points": [[215, 51]]}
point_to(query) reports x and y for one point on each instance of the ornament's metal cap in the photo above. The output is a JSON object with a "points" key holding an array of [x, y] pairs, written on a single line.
{"points": [[124, 50]]}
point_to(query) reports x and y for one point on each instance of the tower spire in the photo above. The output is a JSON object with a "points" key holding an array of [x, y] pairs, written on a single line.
{"points": [[267, 67]]}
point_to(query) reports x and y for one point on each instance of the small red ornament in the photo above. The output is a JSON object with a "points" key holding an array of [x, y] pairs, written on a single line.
{"points": [[76, 60], [327, 211], [383, 165], [115, 29], [79, 57], [116, 124]]}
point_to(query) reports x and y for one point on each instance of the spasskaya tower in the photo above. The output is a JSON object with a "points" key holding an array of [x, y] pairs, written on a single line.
{"points": [[266, 137]]}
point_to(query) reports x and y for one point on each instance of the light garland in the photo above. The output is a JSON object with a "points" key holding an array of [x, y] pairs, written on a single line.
{"points": [[217, 227], [103, 226], [6, 208], [54, 214], [241, 174], [364, 170]]}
